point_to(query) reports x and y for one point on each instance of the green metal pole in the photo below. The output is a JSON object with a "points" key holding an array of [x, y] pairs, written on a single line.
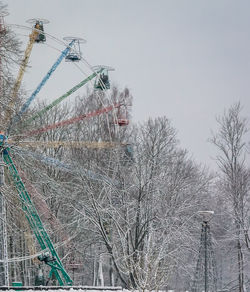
{"points": [[206, 262], [61, 98], [36, 223]]}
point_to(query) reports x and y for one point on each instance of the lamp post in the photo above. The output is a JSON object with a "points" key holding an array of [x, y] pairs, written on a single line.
{"points": [[206, 217]]}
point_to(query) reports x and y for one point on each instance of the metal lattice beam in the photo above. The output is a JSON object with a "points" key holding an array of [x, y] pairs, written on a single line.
{"points": [[36, 224], [19, 79], [205, 278]]}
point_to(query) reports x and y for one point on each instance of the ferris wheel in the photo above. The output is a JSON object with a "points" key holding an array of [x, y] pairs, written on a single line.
{"points": [[28, 133]]}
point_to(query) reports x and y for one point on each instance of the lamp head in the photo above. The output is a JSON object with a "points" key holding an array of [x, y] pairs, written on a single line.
{"points": [[206, 215]]}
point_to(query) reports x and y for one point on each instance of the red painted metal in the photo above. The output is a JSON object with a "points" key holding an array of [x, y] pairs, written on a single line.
{"points": [[72, 120], [122, 122]]}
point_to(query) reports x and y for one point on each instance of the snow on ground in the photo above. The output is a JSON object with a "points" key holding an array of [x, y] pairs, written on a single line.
{"points": [[72, 289], [85, 290]]}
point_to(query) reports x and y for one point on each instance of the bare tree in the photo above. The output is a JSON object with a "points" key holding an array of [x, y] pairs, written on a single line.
{"points": [[234, 178], [10, 54], [144, 220]]}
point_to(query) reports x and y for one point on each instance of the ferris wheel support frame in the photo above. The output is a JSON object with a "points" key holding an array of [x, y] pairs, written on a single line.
{"points": [[3, 232], [51, 259], [37, 226]]}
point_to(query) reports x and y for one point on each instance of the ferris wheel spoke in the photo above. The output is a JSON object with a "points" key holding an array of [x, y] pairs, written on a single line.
{"points": [[41, 84], [71, 144], [72, 120], [44, 209], [20, 74], [33, 37], [66, 166], [61, 98]]}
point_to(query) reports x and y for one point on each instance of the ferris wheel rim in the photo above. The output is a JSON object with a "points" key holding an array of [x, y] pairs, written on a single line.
{"points": [[34, 20]]}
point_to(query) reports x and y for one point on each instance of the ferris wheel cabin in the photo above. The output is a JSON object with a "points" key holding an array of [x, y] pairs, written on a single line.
{"points": [[122, 116], [122, 122], [102, 80], [38, 25], [41, 36], [74, 55]]}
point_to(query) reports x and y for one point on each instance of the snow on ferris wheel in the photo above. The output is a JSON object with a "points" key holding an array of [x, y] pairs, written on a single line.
{"points": [[77, 39], [38, 28], [34, 20], [99, 67], [102, 81], [74, 55]]}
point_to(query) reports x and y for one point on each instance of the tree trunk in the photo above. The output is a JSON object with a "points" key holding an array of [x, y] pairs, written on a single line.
{"points": [[240, 267]]}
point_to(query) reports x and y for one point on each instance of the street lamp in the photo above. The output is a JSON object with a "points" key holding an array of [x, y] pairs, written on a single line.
{"points": [[206, 217]]}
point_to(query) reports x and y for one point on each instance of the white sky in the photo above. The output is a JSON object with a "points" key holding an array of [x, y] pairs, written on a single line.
{"points": [[187, 60]]}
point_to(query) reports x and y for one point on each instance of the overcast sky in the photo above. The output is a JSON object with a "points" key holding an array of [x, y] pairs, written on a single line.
{"points": [[187, 60]]}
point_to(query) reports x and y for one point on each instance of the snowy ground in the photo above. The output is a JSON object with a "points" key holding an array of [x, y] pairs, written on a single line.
{"points": [[85, 290], [72, 289]]}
